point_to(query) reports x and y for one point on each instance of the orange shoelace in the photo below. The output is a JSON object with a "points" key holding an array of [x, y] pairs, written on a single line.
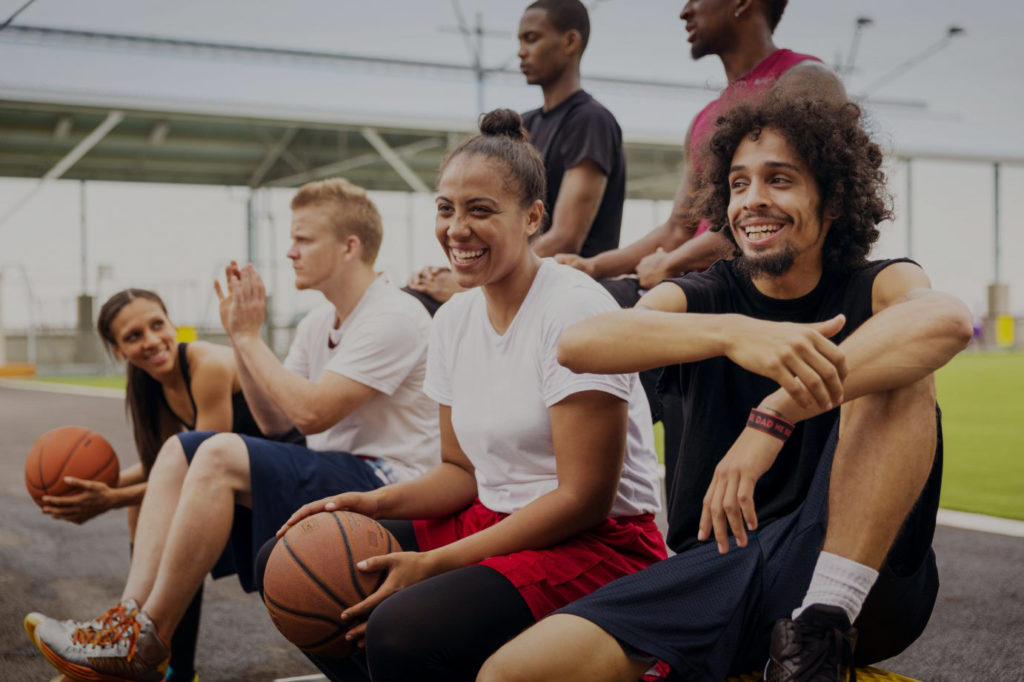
{"points": [[113, 625]]}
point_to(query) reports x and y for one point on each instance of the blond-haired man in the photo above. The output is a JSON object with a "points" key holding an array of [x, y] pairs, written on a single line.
{"points": [[352, 383]]}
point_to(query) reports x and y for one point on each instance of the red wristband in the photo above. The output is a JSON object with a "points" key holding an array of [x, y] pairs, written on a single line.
{"points": [[772, 424]]}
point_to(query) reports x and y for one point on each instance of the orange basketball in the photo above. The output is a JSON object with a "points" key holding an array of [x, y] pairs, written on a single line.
{"points": [[311, 577], [68, 451]]}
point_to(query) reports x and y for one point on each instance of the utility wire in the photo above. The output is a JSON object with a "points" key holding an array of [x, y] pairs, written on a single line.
{"points": [[900, 69], [15, 15]]}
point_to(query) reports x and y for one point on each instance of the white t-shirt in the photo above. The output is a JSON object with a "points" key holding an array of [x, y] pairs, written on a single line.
{"points": [[500, 387], [381, 344]]}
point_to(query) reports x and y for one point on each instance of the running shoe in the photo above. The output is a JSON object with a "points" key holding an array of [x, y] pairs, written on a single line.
{"points": [[815, 647]]}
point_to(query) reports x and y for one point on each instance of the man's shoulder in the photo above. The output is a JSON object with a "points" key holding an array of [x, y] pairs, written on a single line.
{"points": [[388, 302], [590, 111]]}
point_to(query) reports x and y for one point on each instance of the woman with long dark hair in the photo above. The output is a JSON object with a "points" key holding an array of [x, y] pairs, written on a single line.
{"points": [[172, 387]]}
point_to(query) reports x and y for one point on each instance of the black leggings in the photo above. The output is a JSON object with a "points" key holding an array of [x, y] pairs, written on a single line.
{"points": [[443, 628]]}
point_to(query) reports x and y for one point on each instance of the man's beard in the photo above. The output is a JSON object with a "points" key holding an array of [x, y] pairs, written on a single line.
{"points": [[773, 264]]}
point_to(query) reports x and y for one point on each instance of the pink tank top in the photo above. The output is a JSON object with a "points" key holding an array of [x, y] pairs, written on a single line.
{"points": [[752, 84]]}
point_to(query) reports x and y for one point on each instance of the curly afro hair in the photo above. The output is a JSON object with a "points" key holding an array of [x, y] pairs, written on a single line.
{"points": [[844, 160]]}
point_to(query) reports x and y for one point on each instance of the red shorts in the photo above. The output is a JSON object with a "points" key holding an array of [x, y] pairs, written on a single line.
{"points": [[550, 578]]}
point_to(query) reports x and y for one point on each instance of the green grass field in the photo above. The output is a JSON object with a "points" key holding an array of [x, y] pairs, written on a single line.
{"points": [[982, 400], [102, 381]]}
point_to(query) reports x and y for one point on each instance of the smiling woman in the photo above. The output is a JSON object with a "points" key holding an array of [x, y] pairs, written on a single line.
{"points": [[547, 487], [172, 387]]}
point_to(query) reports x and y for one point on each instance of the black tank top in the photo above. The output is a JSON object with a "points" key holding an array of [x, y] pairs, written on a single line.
{"points": [[718, 394], [242, 421]]}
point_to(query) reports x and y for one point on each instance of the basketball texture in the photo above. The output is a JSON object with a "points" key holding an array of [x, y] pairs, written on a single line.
{"points": [[68, 451], [311, 577]]}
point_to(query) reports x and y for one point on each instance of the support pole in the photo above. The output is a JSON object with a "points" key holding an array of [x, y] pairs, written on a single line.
{"points": [[396, 162], [909, 209], [995, 225], [250, 227], [83, 232]]}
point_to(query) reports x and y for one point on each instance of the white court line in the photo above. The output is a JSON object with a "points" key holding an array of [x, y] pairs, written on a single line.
{"points": [[980, 522], [301, 678], [946, 517], [68, 389]]}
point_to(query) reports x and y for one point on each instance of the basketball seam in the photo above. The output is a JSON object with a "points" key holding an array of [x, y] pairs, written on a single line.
{"points": [[348, 549], [312, 577], [93, 475], [67, 458], [339, 630], [295, 612]]}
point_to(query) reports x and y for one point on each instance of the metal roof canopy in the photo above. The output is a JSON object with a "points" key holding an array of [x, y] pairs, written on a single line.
{"points": [[210, 149]]}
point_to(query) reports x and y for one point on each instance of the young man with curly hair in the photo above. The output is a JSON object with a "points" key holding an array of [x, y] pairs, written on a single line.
{"points": [[804, 502]]}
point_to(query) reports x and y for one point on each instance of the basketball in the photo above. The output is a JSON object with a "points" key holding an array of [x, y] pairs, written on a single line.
{"points": [[311, 577], [68, 451]]}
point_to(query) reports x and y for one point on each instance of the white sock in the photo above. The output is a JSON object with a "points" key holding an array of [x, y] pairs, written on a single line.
{"points": [[838, 581]]}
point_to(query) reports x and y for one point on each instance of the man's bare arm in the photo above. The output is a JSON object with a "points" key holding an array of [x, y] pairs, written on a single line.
{"points": [[579, 199], [914, 331]]}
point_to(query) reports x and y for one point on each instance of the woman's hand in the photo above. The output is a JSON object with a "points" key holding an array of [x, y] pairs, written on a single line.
{"points": [[403, 569], [361, 503], [95, 498]]}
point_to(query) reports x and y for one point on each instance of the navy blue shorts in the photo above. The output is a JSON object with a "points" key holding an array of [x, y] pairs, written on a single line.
{"points": [[710, 615], [284, 476]]}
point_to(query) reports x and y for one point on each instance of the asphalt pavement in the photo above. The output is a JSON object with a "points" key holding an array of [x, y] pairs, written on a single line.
{"points": [[70, 571]]}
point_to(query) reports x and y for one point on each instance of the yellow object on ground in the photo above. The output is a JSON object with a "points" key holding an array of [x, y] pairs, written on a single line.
{"points": [[863, 675], [17, 369]]}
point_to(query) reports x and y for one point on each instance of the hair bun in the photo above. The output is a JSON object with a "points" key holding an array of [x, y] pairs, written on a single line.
{"points": [[503, 122]]}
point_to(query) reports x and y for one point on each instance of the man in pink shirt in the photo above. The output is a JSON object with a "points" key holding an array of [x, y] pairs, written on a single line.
{"points": [[739, 32]]}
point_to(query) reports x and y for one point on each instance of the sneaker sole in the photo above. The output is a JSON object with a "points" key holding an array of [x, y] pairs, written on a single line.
{"points": [[31, 622], [73, 670]]}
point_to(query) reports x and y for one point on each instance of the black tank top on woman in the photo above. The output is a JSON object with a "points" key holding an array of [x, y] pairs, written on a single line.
{"points": [[242, 421]]}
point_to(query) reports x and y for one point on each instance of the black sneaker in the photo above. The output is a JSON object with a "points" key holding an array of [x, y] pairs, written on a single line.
{"points": [[816, 647]]}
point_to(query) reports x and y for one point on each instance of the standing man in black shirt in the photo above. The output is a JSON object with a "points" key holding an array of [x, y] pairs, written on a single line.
{"points": [[811, 451], [579, 139]]}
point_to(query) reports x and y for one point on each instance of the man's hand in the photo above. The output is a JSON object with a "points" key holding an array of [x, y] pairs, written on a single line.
{"points": [[403, 569], [653, 268], [799, 357], [438, 283], [96, 497], [231, 279], [361, 503], [246, 302], [577, 261], [729, 501]]}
